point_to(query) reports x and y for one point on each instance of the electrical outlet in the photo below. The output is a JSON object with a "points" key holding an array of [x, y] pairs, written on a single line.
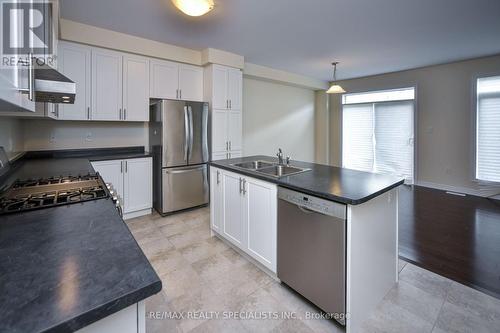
{"points": [[88, 137], [52, 137]]}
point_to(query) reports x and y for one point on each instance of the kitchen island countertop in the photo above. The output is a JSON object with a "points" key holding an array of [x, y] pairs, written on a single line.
{"points": [[332, 183]]}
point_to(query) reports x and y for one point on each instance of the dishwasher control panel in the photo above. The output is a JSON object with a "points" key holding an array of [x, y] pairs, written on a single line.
{"points": [[313, 203]]}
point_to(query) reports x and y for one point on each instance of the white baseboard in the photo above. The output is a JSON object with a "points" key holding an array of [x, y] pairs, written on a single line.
{"points": [[137, 213], [459, 189]]}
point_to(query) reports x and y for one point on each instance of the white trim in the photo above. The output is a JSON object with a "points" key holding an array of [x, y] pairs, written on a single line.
{"points": [[279, 76], [95, 36], [138, 213], [450, 188], [475, 107]]}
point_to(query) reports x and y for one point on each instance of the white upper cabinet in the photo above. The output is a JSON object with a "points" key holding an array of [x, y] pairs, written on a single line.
{"points": [[74, 62], [224, 87], [190, 83], [234, 88], [164, 79], [107, 81], [223, 90], [171, 80], [219, 87], [135, 88]]}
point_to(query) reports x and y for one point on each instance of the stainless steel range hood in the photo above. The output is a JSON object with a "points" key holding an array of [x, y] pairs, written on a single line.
{"points": [[53, 87]]}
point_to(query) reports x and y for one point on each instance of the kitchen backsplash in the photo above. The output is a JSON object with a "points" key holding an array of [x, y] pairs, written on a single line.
{"points": [[11, 136], [51, 134]]}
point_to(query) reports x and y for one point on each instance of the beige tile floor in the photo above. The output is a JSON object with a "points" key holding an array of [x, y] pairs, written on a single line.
{"points": [[202, 276]]}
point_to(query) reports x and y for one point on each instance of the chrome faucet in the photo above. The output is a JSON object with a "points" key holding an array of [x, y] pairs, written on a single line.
{"points": [[280, 156]]}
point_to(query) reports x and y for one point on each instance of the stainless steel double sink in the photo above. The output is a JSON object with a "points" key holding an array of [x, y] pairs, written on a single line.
{"points": [[270, 168]]}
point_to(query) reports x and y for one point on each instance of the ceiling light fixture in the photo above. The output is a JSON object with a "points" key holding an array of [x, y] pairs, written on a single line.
{"points": [[194, 7], [335, 88]]}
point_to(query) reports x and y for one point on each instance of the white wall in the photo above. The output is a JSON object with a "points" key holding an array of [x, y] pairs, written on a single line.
{"points": [[278, 116], [51, 134], [445, 110], [11, 136]]}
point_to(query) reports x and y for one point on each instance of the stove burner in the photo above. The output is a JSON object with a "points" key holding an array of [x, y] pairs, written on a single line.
{"points": [[54, 180], [41, 193]]}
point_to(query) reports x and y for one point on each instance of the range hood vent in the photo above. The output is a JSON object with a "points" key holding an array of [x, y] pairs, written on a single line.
{"points": [[53, 87]]}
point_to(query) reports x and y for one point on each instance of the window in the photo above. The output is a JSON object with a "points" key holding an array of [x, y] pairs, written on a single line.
{"points": [[377, 132], [488, 129]]}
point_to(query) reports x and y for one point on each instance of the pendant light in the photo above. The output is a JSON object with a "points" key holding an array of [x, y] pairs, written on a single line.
{"points": [[335, 88], [194, 7]]}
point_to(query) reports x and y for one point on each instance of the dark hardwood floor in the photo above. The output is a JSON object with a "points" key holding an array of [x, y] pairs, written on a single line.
{"points": [[453, 236]]}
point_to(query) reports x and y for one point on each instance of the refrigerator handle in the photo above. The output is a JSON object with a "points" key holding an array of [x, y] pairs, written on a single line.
{"points": [[191, 130], [186, 133]]}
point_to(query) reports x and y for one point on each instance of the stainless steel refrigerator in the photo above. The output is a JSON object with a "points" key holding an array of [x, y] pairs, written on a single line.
{"points": [[178, 134]]}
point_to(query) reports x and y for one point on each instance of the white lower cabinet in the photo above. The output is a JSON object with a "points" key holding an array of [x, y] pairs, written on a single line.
{"points": [[261, 217], [138, 185], [233, 227], [133, 182], [216, 206], [244, 212], [128, 320]]}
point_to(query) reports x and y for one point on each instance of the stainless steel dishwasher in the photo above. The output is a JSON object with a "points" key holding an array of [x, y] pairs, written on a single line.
{"points": [[312, 249]]}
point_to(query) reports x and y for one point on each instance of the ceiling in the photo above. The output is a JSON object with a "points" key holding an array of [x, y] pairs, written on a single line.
{"points": [[367, 36]]}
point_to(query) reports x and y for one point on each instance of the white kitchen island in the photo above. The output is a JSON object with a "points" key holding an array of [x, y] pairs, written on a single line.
{"points": [[244, 213]]}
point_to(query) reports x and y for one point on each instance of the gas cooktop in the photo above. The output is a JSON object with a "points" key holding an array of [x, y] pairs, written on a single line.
{"points": [[31, 194]]}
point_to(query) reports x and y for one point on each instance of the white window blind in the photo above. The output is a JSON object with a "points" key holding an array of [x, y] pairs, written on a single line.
{"points": [[357, 138], [488, 129], [378, 137]]}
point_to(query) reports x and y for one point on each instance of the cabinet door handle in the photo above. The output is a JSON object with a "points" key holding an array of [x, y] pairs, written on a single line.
{"points": [[230, 145], [227, 146], [230, 104], [227, 104], [180, 93], [126, 166], [124, 114], [57, 110], [31, 83], [121, 166], [218, 180], [244, 190], [121, 117], [241, 181], [88, 112]]}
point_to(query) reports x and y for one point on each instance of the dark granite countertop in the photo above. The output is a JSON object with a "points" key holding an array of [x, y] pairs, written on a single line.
{"points": [[332, 183], [93, 154], [65, 267]]}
